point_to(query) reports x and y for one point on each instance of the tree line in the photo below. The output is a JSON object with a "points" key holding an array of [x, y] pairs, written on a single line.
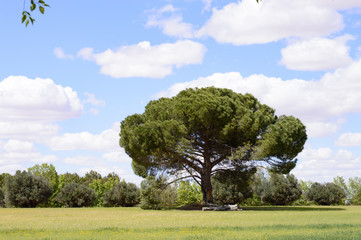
{"points": [[42, 186]]}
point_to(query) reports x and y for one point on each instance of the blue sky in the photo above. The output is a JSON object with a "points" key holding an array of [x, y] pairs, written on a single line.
{"points": [[67, 81]]}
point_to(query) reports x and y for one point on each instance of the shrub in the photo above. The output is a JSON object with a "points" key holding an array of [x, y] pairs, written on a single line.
{"points": [[232, 186], [188, 193], [156, 194], [76, 195], [281, 190], [122, 194], [2, 203], [26, 190], [101, 186], [326, 194]]}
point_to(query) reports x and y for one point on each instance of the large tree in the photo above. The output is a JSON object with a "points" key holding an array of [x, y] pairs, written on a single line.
{"points": [[203, 131]]}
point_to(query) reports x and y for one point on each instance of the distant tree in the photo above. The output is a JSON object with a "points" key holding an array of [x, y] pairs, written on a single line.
{"points": [[26, 190], [2, 179], [188, 193], [231, 187], [122, 194], [326, 194], [281, 190], [89, 177], [101, 186], [202, 130], [156, 194], [49, 172], [76, 195], [2, 202], [354, 189], [68, 178]]}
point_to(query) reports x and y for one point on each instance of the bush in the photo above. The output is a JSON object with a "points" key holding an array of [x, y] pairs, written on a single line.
{"points": [[156, 194], [122, 194], [232, 186], [2, 203], [26, 190], [76, 195], [326, 194], [188, 193], [281, 190]]}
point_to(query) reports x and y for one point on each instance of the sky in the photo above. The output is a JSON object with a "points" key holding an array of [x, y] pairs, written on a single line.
{"points": [[67, 81]]}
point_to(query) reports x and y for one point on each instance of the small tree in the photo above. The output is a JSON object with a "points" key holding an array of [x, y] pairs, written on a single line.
{"points": [[354, 187], [122, 194], [326, 194], [188, 193], [2, 203], [49, 172], [230, 187], [101, 186], [156, 194], [26, 190], [76, 195]]}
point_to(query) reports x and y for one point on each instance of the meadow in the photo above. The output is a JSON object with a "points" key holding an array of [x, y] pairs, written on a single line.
{"points": [[342, 222]]}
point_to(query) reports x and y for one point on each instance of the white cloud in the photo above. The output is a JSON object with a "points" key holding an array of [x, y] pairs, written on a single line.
{"points": [[321, 129], [117, 156], [317, 54], [339, 4], [144, 60], [40, 99], [93, 100], [15, 153], [59, 53], [171, 22], [349, 140], [249, 22], [108, 140], [28, 107], [324, 164], [316, 103], [27, 130], [207, 4]]}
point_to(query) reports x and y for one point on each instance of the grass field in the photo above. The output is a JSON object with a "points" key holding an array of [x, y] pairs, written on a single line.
{"points": [[134, 223]]}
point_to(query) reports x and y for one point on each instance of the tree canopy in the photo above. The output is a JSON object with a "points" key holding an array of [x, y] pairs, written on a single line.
{"points": [[203, 131]]}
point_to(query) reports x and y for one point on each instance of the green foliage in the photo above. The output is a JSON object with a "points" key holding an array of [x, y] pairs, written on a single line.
{"points": [[202, 129], [231, 187], [26, 190], [2, 202], [281, 190], [101, 186], [354, 189], [76, 195], [122, 194], [49, 172], [326, 194], [90, 177], [188, 193], [26, 15], [68, 178], [156, 194]]}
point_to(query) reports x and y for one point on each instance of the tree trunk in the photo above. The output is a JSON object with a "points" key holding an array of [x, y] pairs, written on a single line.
{"points": [[207, 184]]}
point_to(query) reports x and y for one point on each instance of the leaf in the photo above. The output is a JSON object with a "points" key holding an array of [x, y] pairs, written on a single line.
{"points": [[41, 1], [27, 23], [23, 18], [41, 9], [32, 20], [32, 7]]}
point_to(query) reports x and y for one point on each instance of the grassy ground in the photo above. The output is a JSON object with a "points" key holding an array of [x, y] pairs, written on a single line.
{"points": [[134, 223]]}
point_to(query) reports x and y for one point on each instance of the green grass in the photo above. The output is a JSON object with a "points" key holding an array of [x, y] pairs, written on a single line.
{"points": [[134, 223]]}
